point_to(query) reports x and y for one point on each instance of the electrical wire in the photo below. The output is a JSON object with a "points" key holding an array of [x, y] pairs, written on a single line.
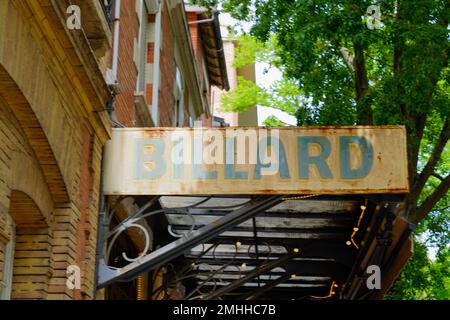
{"points": [[330, 294], [356, 229], [215, 272], [300, 197]]}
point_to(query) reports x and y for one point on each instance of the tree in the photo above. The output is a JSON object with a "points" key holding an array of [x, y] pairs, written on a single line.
{"points": [[422, 278], [284, 94], [272, 121], [352, 68], [372, 63]]}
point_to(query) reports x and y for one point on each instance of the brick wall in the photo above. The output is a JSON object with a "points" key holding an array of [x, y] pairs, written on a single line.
{"points": [[127, 69], [50, 151], [197, 44], [47, 244], [167, 67], [32, 267]]}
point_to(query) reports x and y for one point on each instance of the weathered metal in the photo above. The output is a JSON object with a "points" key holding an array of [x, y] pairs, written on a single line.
{"points": [[310, 160], [267, 266]]}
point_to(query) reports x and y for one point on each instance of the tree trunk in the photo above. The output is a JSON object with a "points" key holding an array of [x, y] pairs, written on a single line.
{"points": [[365, 114]]}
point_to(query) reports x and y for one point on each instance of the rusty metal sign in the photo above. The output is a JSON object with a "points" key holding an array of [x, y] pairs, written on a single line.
{"points": [[291, 160]]}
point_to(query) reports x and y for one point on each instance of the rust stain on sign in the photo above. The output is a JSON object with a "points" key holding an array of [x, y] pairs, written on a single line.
{"points": [[292, 160]]}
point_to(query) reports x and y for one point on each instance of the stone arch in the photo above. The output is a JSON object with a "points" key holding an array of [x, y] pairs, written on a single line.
{"points": [[27, 177], [14, 98], [31, 265], [25, 212]]}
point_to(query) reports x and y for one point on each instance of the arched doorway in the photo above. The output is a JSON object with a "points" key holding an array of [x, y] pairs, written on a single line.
{"points": [[31, 268], [26, 197]]}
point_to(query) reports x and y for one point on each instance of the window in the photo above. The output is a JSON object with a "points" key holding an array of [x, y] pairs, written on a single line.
{"points": [[178, 114], [7, 259], [141, 45]]}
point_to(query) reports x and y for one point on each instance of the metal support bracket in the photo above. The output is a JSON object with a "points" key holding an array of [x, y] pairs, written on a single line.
{"points": [[108, 275]]}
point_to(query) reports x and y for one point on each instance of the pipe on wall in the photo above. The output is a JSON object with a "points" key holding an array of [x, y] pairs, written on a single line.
{"points": [[116, 28], [156, 65]]}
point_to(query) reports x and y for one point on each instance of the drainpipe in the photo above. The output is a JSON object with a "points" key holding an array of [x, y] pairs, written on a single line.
{"points": [[202, 21], [116, 28], [114, 82], [156, 66], [214, 16], [102, 227]]}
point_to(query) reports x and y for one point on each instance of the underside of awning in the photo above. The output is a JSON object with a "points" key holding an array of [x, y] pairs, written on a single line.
{"points": [[265, 247]]}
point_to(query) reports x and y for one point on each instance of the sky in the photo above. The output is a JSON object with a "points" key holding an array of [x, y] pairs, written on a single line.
{"points": [[264, 80]]}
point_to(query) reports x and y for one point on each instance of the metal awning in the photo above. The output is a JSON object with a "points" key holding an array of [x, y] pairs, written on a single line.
{"points": [[309, 230], [225, 243]]}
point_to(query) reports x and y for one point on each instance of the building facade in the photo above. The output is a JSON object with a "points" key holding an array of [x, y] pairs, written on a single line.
{"points": [[163, 68], [69, 72], [169, 58], [247, 118], [53, 124]]}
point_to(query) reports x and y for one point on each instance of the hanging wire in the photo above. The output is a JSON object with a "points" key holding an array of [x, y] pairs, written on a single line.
{"points": [[182, 274], [356, 229], [300, 197], [330, 293], [215, 272]]}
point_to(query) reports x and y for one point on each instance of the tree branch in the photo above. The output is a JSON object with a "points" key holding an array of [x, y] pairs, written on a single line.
{"points": [[431, 200], [442, 209], [348, 58], [431, 164], [434, 174]]}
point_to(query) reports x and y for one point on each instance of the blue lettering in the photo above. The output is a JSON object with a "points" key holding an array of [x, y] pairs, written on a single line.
{"points": [[304, 159], [344, 157], [282, 160], [149, 162], [230, 168], [197, 167]]}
